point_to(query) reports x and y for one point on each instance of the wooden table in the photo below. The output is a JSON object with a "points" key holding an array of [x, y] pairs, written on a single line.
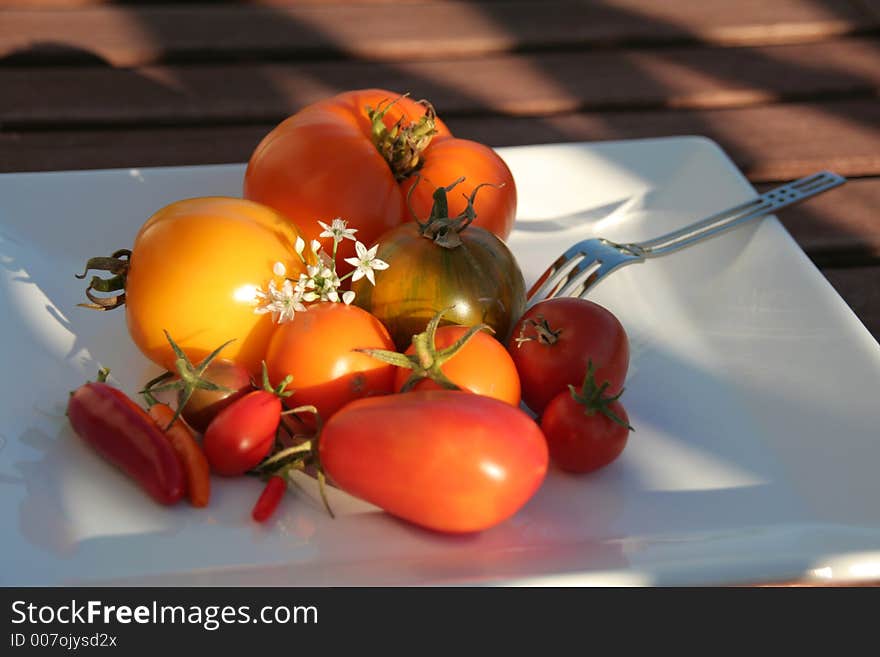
{"points": [[786, 87]]}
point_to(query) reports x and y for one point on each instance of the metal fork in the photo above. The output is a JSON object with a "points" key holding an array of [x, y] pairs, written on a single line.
{"points": [[583, 265]]}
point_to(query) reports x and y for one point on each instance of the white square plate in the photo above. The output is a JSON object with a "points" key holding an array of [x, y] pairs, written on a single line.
{"points": [[753, 389]]}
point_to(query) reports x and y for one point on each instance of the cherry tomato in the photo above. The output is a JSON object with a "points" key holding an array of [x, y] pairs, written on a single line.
{"points": [[204, 405], [481, 366], [318, 349], [243, 433], [194, 270], [333, 159], [442, 459], [585, 430], [555, 340]]}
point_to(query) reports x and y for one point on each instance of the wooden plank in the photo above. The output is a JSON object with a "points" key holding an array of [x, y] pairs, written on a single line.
{"points": [[135, 35], [776, 142], [860, 288], [839, 226], [151, 146], [518, 84]]}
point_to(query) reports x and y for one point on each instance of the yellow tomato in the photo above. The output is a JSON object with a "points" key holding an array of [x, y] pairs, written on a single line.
{"points": [[194, 271]]}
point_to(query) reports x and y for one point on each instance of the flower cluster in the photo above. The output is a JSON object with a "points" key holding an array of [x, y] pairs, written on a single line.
{"points": [[320, 282]]}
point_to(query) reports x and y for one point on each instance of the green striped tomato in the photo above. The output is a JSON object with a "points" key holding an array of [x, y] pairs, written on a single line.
{"points": [[479, 281]]}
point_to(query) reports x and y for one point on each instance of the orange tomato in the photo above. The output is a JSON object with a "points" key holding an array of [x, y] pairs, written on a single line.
{"points": [[449, 159], [324, 162], [317, 348], [194, 270], [482, 366]]}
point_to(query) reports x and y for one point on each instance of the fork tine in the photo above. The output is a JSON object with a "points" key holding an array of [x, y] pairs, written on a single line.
{"points": [[556, 274], [579, 279]]}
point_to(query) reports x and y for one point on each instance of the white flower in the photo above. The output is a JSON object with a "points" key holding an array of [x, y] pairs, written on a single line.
{"points": [[283, 303], [299, 246], [338, 230], [347, 297], [321, 283], [279, 269], [366, 262]]}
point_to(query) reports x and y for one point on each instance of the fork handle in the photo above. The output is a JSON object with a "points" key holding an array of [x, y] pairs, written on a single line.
{"points": [[760, 206]]}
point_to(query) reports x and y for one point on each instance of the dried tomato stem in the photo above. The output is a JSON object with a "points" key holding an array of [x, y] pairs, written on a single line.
{"points": [[117, 264], [403, 143], [442, 229], [544, 333]]}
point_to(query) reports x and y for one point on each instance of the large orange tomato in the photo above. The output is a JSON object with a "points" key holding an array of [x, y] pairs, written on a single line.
{"points": [[344, 157], [194, 269], [318, 348]]}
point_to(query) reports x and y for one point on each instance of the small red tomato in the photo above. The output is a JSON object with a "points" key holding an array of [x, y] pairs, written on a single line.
{"points": [[553, 342], [585, 430], [243, 433], [204, 405]]}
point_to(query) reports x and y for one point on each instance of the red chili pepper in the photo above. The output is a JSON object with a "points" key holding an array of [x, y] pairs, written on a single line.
{"points": [[124, 434], [269, 498], [192, 458]]}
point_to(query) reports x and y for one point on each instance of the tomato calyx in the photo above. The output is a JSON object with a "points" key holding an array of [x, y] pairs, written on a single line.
{"points": [[439, 227], [189, 378], [590, 396], [117, 265], [427, 361], [402, 144], [544, 334]]}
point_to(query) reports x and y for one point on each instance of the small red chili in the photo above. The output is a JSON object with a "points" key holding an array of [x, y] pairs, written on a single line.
{"points": [[269, 498], [124, 434]]}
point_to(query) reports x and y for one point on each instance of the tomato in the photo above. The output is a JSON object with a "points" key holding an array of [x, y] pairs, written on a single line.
{"points": [[475, 275], [585, 430], [194, 269], [442, 459], [333, 159], [204, 405], [317, 348], [243, 433], [481, 366], [450, 159], [204, 389], [554, 341], [125, 435]]}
